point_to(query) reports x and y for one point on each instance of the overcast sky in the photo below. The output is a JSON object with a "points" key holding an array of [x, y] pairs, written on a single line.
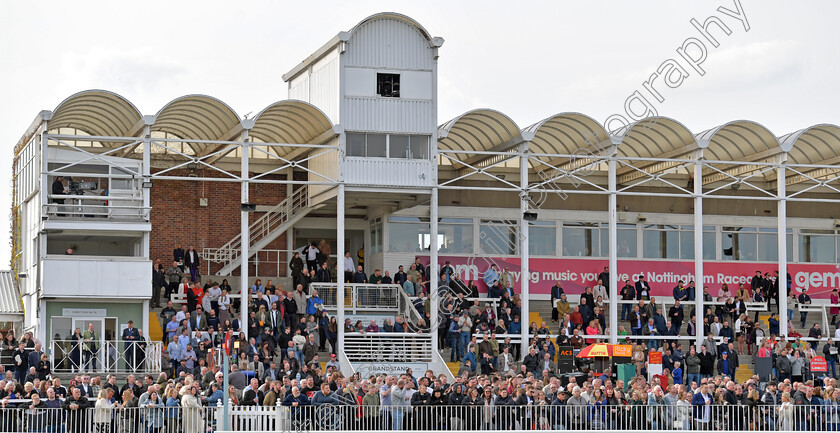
{"points": [[528, 62]]}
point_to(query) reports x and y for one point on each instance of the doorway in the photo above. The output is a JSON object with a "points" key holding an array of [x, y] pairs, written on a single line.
{"points": [[72, 355]]}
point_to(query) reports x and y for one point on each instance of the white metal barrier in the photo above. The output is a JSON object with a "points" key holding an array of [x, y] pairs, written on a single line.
{"points": [[364, 297], [95, 206], [420, 415], [388, 347], [106, 356]]}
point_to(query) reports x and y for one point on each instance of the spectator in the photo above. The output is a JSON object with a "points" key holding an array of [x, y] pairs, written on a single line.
{"points": [[804, 300]]}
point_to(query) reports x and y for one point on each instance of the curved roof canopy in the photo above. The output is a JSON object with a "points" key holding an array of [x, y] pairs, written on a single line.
{"points": [[400, 17], [97, 112], [290, 121], [739, 140], [478, 130], [565, 133], [817, 144], [197, 117], [656, 137]]}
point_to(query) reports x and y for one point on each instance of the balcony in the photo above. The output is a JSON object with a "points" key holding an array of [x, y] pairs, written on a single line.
{"points": [[95, 208], [96, 277], [389, 172]]}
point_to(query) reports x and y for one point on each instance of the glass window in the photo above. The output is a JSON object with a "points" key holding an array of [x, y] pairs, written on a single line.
{"points": [[661, 241], [739, 243], [376, 145], [457, 237], [355, 144], [419, 147], [376, 236], [687, 242], [498, 238], [579, 239], [407, 234], [708, 245], [541, 238], [625, 237], [817, 248], [768, 245], [398, 146]]}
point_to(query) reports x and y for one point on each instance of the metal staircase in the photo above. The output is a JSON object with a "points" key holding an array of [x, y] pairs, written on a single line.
{"points": [[263, 231]]}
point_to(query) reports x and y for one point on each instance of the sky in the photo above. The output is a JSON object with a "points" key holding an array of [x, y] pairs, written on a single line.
{"points": [[779, 65]]}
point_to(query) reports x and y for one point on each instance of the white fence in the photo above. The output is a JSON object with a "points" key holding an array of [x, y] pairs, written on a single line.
{"points": [[364, 297], [343, 414], [388, 347], [117, 356]]}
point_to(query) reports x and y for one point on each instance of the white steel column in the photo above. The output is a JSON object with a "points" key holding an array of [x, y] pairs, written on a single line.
{"points": [[245, 236], [339, 296], [524, 269], [613, 235], [434, 271], [46, 186], [147, 163], [782, 238], [290, 233], [698, 249], [145, 323]]}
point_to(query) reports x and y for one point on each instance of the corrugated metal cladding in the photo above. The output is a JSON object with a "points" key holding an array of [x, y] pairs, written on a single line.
{"points": [[326, 163], [389, 115], [9, 294], [323, 88], [299, 88], [389, 43], [393, 260], [381, 171]]}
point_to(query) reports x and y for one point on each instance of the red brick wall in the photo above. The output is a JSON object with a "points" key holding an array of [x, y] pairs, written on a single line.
{"points": [[176, 216]]}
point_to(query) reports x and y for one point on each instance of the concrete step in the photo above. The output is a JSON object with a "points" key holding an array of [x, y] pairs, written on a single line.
{"points": [[155, 330], [453, 367], [745, 371]]}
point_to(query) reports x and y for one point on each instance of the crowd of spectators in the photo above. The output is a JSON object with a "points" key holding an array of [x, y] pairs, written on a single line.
{"points": [[496, 386]]}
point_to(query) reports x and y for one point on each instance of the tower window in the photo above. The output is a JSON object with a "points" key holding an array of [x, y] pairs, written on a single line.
{"points": [[388, 85]]}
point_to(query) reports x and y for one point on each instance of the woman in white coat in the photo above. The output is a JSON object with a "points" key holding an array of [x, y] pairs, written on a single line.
{"points": [[193, 422], [785, 413], [103, 411]]}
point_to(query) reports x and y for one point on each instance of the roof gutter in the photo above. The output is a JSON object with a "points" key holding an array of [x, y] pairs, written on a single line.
{"points": [[318, 54]]}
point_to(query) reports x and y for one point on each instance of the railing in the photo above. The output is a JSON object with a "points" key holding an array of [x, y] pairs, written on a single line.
{"points": [[365, 297], [117, 356], [270, 261], [263, 226], [388, 347], [575, 414], [84, 206], [19, 416], [407, 309]]}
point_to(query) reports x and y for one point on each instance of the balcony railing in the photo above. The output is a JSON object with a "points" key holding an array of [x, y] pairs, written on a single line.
{"points": [[388, 347], [87, 206], [345, 415], [117, 356], [365, 297]]}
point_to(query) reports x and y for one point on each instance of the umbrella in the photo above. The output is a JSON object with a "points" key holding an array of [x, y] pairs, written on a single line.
{"points": [[597, 350]]}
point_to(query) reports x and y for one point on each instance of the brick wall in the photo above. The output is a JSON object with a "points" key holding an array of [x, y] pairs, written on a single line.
{"points": [[177, 217]]}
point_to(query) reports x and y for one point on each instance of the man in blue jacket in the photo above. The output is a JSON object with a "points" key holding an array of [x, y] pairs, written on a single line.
{"points": [[470, 355], [773, 323], [314, 303], [702, 402], [297, 399]]}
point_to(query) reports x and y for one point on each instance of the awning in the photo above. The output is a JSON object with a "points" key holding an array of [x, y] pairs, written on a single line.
{"points": [[11, 309]]}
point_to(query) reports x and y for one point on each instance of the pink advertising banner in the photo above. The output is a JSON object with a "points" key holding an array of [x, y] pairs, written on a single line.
{"points": [[662, 275]]}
